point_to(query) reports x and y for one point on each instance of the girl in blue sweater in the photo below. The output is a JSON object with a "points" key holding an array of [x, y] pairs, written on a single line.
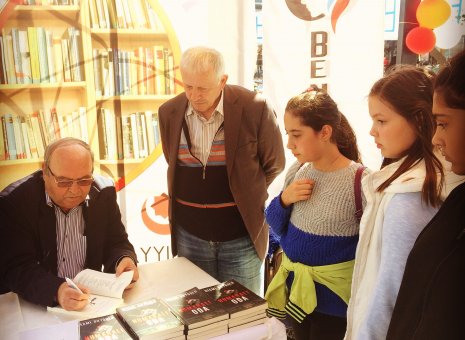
{"points": [[314, 216]]}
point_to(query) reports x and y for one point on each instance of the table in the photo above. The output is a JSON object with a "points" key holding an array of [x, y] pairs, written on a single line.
{"points": [[159, 279]]}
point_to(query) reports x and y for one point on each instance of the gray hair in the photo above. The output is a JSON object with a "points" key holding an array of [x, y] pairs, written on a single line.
{"points": [[66, 141], [202, 59]]}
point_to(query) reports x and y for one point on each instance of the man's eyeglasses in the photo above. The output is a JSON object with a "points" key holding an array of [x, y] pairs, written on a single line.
{"points": [[67, 183]]}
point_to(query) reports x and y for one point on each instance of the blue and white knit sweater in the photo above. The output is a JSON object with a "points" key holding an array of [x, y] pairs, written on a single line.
{"points": [[322, 230]]}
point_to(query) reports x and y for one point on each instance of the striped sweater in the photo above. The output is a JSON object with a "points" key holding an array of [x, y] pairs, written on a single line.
{"points": [[322, 230]]}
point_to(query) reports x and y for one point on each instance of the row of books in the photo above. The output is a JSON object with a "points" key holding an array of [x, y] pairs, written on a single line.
{"points": [[25, 137], [50, 2], [123, 14], [132, 136], [142, 71], [193, 314], [32, 55]]}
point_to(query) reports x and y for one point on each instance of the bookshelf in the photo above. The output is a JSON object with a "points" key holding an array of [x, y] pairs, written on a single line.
{"points": [[70, 95]]}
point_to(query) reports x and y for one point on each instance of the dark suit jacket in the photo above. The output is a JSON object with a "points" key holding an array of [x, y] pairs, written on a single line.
{"points": [[28, 262], [254, 154]]}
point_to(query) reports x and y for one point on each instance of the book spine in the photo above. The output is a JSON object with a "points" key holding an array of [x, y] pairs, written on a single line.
{"points": [[25, 57], [150, 136], [3, 141], [58, 61], [26, 145], [128, 151], [30, 137], [43, 61], [66, 62], [20, 152], [17, 56], [119, 137], [50, 56], [134, 136], [103, 142], [9, 58], [112, 13], [55, 124], [156, 131], [34, 53], [97, 73], [94, 22], [38, 134], [160, 70], [110, 132], [10, 136], [145, 147]]}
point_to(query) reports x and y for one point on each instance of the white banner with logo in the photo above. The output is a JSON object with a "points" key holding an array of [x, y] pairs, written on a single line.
{"points": [[333, 43]]}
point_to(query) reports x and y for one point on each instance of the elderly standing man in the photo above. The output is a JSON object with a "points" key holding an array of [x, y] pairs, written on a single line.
{"points": [[224, 148], [58, 221]]}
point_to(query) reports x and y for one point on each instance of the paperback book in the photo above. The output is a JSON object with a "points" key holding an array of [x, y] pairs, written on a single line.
{"points": [[106, 293], [236, 299], [150, 319], [197, 309], [103, 327]]}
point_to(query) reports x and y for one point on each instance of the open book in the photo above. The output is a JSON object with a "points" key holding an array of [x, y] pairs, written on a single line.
{"points": [[106, 293]]}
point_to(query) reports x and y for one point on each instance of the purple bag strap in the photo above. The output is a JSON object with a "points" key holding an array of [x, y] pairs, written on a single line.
{"points": [[358, 193]]}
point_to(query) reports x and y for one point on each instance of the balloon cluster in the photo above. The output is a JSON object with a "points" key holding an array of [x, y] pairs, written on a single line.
{"points": [[432, 14]]}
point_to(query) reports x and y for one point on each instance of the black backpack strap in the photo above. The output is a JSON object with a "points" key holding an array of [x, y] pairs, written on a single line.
{"points": [[358, 193]]}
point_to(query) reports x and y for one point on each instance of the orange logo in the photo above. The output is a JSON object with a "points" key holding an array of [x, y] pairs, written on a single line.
{"points": [[155, 214]]}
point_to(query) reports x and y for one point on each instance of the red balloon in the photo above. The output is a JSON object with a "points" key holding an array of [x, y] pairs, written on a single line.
{"points": [[421, 40]]}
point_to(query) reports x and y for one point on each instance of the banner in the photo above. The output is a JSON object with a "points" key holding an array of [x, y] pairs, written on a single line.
{"points": [[336, 44]]}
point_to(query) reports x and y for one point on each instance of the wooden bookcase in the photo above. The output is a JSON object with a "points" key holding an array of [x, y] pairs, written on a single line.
{"points": [[23, 99]]}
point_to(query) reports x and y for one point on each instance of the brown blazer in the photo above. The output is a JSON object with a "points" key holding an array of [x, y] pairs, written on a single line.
{"points": [[254, 154]]}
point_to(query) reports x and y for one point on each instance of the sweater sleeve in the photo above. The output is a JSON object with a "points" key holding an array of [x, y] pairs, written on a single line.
{"points": [[277, 216]]}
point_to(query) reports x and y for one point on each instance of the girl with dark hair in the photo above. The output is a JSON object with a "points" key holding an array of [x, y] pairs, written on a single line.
{"points": [[431, 299], [314, 216], [401, 198]]}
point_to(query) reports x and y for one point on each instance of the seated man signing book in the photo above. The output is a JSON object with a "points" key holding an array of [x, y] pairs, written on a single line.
{"points": [[57, 222]]}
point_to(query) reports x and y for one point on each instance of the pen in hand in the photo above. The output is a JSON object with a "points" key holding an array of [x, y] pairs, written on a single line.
{"points": [[71, 284]]}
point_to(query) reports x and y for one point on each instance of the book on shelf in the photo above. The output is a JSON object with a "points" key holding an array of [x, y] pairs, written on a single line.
{"points": [[3, 145], [50, 56], [103, 327], [151, 319], [34, 54], [159, 61], [10, 135], [17, 56], [20, 150], [38, 133], [9, 58], [30, 136], [43, 58], [25, 56], [106, 293], [236, 299], [197, 310]]}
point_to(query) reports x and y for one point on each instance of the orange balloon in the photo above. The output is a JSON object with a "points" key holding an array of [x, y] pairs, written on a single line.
{"points": [[420, 40], [433, 13]]}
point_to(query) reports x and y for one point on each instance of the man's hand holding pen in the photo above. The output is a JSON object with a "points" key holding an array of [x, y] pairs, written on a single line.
{"points": [[72, 297]]}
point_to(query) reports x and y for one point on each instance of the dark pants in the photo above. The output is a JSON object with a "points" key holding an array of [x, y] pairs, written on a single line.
{"points": [[318, 326]]}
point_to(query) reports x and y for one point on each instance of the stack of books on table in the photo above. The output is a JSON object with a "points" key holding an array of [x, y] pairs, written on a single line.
{"points": [[202, 316], [193, 314], [245, 308], [151, 319]]}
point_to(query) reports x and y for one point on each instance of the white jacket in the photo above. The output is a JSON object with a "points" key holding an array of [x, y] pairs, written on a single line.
{"points": [[368, 254]]}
